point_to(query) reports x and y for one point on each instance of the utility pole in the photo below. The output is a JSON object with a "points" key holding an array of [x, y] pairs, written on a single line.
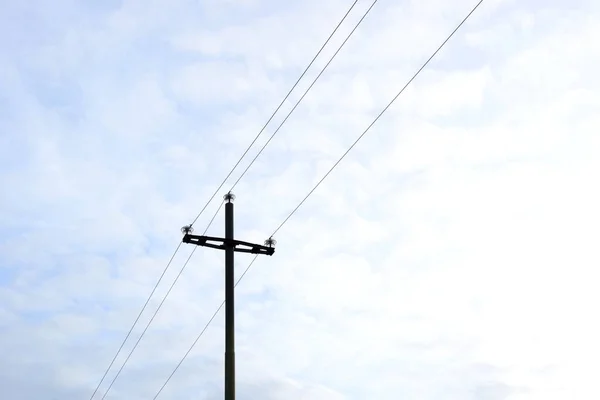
{"points": [[230, 245]]}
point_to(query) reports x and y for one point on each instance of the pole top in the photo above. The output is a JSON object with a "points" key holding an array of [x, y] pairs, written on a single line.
{"points": [[229, 197], [186, 230], [270, 242]]}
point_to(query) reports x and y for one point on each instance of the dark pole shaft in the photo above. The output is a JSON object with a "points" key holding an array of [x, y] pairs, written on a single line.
{"points": [[229, 306]]}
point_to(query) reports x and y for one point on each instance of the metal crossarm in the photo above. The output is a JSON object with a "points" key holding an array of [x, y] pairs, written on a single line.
{"points": [[221, 244]]}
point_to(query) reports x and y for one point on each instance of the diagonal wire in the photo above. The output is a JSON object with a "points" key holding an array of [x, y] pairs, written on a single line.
{"points": [[158, 309], [136, 321], [214, 194], [201, 333], [327, 174], [219, 188], [379, 116], [305, 93], [274, 112]]}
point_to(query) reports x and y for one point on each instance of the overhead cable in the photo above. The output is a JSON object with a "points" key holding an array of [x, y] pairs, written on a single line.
{"points": [[213, 196], [325, 176]]}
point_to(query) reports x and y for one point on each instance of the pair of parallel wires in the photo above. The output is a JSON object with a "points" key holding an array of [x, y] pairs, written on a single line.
{"points": [[367, 129]]}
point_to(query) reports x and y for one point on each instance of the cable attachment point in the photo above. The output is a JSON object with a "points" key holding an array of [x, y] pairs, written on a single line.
{"points": [[186, 230], [270, 242], [229, 197]]}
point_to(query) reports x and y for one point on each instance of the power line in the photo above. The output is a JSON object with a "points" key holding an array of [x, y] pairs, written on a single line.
{"points": [[238, 162], [379, 116], [274, 112], [157, 309], [136, 321], [305, 93], [324, 177], [213, 196]]}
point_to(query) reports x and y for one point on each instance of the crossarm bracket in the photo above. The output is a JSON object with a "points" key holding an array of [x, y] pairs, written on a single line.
{"points": [[221, 244]]}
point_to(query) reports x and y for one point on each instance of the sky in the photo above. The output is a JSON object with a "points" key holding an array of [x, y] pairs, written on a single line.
{"points": [[452, 254]]}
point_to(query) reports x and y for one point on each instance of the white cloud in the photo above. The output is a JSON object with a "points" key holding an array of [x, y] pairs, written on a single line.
{"points": [[451, 255]]}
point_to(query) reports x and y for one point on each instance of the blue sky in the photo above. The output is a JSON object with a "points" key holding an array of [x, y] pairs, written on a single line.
{"points": [[453, 254]]}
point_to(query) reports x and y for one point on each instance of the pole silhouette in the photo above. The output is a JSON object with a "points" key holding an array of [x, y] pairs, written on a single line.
{"points": [[230, 245]]}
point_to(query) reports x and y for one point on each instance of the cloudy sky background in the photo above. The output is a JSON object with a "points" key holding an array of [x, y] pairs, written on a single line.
{"points": [[452, 255]]}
